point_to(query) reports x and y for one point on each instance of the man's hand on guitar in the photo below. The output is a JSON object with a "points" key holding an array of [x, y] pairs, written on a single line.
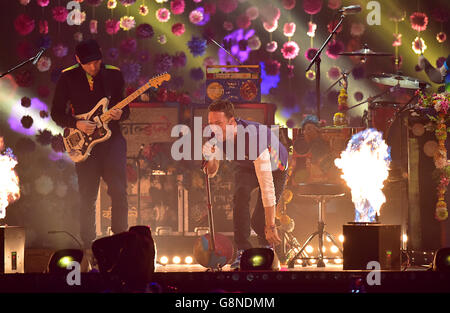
{"points": [[86, 127], [115, 114]]}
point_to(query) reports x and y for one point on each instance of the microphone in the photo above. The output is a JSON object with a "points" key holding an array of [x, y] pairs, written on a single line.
{"points": [[38, 56], [351, 9], [213, 141]]}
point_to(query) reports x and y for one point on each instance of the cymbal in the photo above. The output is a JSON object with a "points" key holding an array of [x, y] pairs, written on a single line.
{"points": [[402, 81], [365, 52]]}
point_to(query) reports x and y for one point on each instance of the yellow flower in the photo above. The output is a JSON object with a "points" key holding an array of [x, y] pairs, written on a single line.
{"points": [[112, 4]]}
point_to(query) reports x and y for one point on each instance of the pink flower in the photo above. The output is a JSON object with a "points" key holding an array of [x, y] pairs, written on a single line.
{"points": [[334, 72], [127, 22], [311, 29], [334, 48], [227, 6], [444, 181], [162, 15], [334, 4], [93, 26], [60, 14], [43, 27], [43, 3], [397, 40], [270, 27], [419, 21], [143, 10], [270, 13], [252, 13], [177, 6], [312, 6], [24, 24], [228, 26], [441, 37], [289, 4], [178, 29], [357, 29], [196, 16], [271, 46], [112, 26], [243, 21], [290, 50], [289, 29], [44, 64]]}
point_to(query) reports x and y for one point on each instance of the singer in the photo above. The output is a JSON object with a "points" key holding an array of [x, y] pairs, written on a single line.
{"points": [[78, 89], [268, 171]]}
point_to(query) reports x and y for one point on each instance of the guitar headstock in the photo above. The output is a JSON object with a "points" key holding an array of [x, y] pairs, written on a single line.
{"points": [[158, 80]]}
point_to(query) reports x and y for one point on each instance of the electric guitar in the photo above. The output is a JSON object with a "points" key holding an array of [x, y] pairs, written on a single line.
{"points": [[78, 144]]}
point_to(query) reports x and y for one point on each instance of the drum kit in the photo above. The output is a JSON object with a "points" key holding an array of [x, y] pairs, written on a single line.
{"points": [[382, 113]]}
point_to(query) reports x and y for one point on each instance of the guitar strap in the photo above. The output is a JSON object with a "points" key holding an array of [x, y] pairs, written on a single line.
{"points": [[106, 83]]}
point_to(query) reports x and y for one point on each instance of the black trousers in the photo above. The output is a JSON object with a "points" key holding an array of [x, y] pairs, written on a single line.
{"points": [[107, 160], [245, 182]]}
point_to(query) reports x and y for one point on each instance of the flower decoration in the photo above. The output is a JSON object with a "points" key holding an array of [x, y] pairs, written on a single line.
{"points": [[44, 42], [196, 73], [144, 31], [57, 143], [243, 21], [272, 67], [111, 4], [441, 37], [112, 26], [289, 29], [310, 53], [113, 53], [196, 16], [312, 6], [331, 25], [24, 2], [419, 21], [24, 78], [418, 45], [289, 4], [271, 46], [94, 3], [24, 24], [334, 4], [342, 100], [197, 46], [44, 63], [131, 71], [162, 39], [310, 75], [43, 3], [254, 43], [143, 10], [161, 1], [210, 8], [227, 6], [128, 46], [228, 26], [44, 137], [334, 48], [178, 29], [177, 6], [290, 50], [163, 15], [436, 107], [358, 96], [127, 22], [179, 60], [60, 14], [252, 13], [311, 29], [60, 50], [397, 40], [357, 29], [43, 27], [127, 3], [93, 26], [270, 27], [163, 63], [25, 102]]}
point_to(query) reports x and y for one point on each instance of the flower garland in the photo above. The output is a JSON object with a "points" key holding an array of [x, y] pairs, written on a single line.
{"points": [[437, 106]]}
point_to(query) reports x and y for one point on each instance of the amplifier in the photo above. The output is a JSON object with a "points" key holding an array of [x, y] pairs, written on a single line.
{"points": [[12, 250], [238, 87], [365, 242]]}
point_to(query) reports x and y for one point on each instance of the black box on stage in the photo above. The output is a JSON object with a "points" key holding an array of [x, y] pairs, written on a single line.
{"points": [[12, 249], [366, 242]]}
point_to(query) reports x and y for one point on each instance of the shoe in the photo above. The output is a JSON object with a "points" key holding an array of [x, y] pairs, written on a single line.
{"points": [[237, 261]]}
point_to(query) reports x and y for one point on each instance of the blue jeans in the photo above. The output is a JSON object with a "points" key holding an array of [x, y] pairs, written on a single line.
{"points": [[245, 182], [107, 160]]}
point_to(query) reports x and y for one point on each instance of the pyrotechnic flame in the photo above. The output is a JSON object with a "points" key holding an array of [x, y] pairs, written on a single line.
{"points": [[9, 181], [365, 166]]}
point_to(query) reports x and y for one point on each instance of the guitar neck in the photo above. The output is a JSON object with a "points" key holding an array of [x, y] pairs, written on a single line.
{"points": [[210, 213], [105, 117]]}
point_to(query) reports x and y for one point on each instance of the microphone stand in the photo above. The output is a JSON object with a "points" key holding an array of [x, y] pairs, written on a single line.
{"points": [[32, 59], [316, 60]]}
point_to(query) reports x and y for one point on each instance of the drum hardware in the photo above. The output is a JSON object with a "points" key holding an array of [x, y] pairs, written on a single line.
{"points": [[406, 82], [365, 52]]}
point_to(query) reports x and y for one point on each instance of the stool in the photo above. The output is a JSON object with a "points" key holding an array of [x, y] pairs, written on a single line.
{"points": [[321, 193]]}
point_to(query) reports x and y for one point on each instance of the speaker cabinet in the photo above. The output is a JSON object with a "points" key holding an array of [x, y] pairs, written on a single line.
{"points": [[12, 250]]}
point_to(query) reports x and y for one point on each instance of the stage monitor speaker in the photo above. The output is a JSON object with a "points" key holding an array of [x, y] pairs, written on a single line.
{"points": [[12, 250], [365, 242]]}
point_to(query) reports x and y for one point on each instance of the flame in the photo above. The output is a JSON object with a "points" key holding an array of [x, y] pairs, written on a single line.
{"points": [[9, 182], [365, 166]]}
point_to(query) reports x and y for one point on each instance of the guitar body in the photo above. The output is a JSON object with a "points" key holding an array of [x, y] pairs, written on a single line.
{"points": [[78, 144]]}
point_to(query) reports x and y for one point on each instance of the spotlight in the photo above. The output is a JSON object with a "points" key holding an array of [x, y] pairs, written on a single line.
{"points": [[257, 259], [164, 260], [341, 238], [62, 258], [338, 261], [334, 249], [441, 260], [188, 260], [309, 249], [176, 260]]}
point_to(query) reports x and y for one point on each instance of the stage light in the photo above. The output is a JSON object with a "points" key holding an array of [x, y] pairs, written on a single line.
{"points": [[164, 260], [328, 239], [404, 237], [334, 249], [341, 238], [257, 259], [324, 249], [62, 258], [325, 261], [176, 260], [188, 260], [338, 261], [441, 260], [313, 261], [299, 261], [309, 249]]}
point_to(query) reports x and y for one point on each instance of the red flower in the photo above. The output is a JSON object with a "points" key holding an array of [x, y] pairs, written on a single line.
{"points": [[312, 6], [419, 21], [24, 24]]}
